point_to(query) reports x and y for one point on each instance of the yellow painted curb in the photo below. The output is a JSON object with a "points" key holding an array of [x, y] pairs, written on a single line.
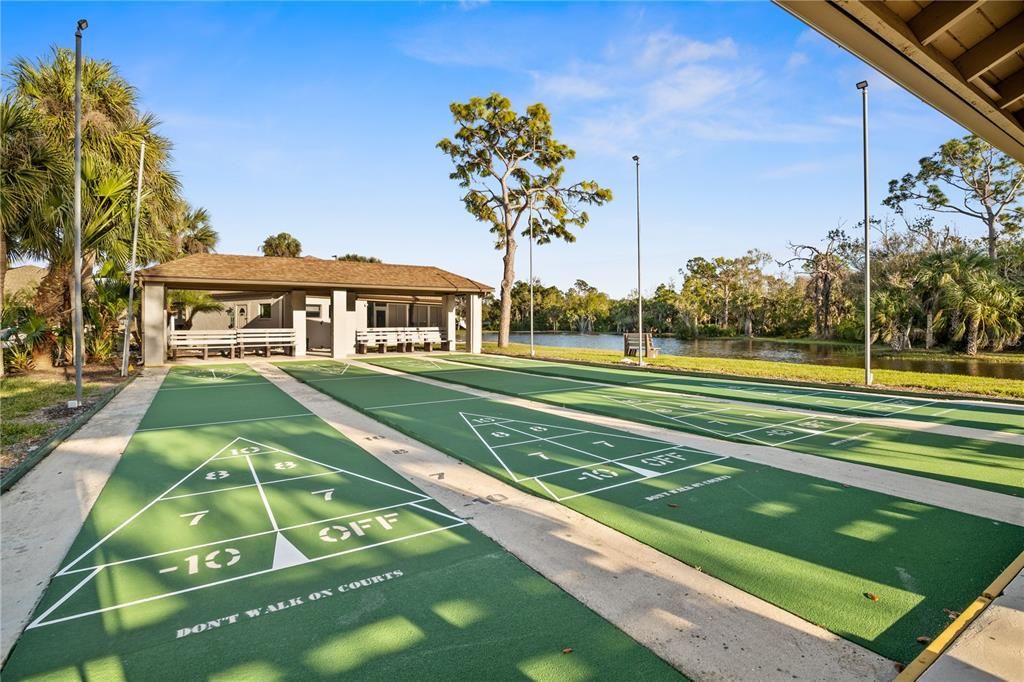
{"points": [[1004, 578], [919, 665]]}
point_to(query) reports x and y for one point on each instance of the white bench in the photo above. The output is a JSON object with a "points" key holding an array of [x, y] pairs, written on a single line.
{"points": [[201, 340], [265, 339], [631, 343], [402, 339]]}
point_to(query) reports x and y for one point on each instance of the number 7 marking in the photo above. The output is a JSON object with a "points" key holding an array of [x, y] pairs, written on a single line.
{"points": [[537, 454], [196, 516], [328, 493], [602, 442]]}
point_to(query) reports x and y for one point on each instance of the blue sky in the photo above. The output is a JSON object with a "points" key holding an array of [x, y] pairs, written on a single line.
{"points": [[321, 119]]}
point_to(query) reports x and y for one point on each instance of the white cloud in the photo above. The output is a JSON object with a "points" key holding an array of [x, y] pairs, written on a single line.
{"points": [[665, 49], [693, 87], [796, 60]]}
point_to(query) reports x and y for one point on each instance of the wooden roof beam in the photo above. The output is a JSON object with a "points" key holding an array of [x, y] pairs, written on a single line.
{"points": [[992, 50], [1011, 89], [930, 22]]}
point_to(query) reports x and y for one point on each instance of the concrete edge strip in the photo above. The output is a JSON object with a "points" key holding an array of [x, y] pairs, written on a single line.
{"points": [[975, 501], [916, 668], [627, 606], [16, 616], [893, 422], [894, 391]]}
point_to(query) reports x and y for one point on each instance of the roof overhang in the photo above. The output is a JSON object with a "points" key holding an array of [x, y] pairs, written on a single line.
{"points": [[325, 288], [966, 59]]}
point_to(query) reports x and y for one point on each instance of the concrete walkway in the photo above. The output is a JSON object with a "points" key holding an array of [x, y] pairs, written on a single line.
{"points": [[44, 511], [891, 422], [704, 627], [983, 503]]}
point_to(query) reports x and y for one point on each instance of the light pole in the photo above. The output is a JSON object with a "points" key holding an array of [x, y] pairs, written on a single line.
{"points": [[868, 379], [77, 303], [532, 352], [131, 271], [639, 291]]}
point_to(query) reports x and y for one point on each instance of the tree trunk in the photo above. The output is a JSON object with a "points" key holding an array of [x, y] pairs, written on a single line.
{"points": [[992, 234], [973, 326], [507, 280], [929, 329], [826, 306]]}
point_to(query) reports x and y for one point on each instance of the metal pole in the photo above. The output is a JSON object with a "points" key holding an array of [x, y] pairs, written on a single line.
{"points": [[131, 271], [77, 303], [639, 291], [532, 352], [868, 378]]}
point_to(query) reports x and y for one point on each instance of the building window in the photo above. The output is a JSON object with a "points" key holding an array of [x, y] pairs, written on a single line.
{"points": [[313, 310], [398, 315], [266, 311]]}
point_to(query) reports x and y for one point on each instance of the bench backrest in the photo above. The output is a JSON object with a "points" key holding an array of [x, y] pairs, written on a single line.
{"points": [[633, 340], [201, 337], [265, 336]]}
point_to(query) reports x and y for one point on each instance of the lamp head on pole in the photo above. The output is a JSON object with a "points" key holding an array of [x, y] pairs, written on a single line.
{"points": [[636, 158], [863, 85], [82, 25]]}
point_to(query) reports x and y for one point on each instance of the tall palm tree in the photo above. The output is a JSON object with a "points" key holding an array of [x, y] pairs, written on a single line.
{"points": [[988, 309], [281, 244], [113, 130], [190, 233]]}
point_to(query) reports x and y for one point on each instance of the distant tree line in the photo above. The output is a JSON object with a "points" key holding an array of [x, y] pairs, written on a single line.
{"points": [[930, 285]]}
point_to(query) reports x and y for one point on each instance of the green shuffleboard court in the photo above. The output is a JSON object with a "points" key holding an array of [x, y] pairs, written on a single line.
{"points": [[241, 537], [857, 403], [811, 546], [996, 465]]}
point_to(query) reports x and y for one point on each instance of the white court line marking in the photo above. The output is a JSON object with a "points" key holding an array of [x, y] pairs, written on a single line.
{"points": [[660, 474], [144, 600], [247, 485], [190, 388], [249, 536], [434, 511], [941, 412], [63, 599], [136, 514], [496, 456], [263, 495], [794, 393], [556, 426], [212, 457], [612, 461], [426, 402], [534, 439], [851, 438], [606, 460], [230, 421]]}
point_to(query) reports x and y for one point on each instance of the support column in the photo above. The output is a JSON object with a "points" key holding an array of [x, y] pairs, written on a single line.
{"points": [[448, 321], [474, 324], [343, 325], [154, 325], [298, 306]]}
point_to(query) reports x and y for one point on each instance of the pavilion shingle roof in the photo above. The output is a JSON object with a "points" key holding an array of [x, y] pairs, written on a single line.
{"points": [[223, 270]]}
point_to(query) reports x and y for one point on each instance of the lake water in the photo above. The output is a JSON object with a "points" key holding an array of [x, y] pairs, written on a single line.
{"points": [[808, 353]]}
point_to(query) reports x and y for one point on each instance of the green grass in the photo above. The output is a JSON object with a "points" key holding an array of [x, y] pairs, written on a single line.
{"points": [[20, 396], [421, 592], [808, 545], [764, 369]]}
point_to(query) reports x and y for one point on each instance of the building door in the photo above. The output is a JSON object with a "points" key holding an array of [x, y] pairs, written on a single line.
{"points": [[380, 316]]}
